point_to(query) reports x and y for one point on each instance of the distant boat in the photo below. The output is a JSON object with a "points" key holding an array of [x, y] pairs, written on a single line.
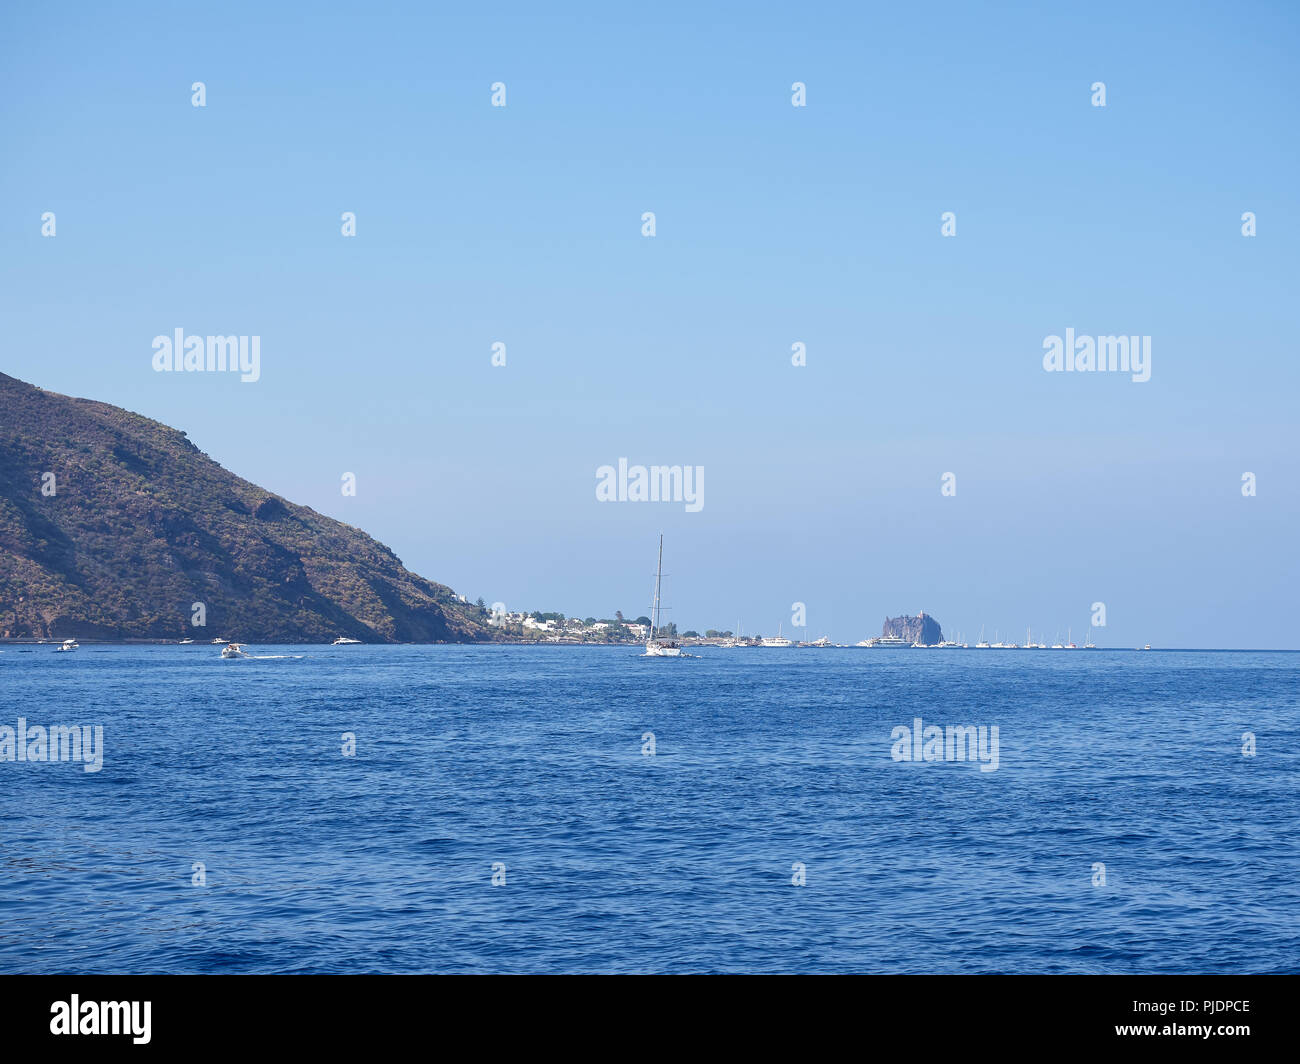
{"points": [[653, 647], [217, 642], [70, 645], [733, 641], [184, 642], [824, 641], [233, 650], [1088, 644], [344, 641], [777, 640]]}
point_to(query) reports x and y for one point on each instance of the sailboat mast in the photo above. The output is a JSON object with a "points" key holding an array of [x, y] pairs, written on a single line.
{"points": [[659, 573]]}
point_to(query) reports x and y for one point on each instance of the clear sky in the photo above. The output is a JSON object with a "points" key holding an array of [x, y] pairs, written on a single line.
{"points": [[775, 224]]}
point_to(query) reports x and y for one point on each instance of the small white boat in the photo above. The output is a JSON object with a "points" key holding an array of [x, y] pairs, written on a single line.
{"points": [[344, 641], [217, 642], [654, 648], [67, 647], [733, 641], [777, 640], [186, 642], [233, 650]]}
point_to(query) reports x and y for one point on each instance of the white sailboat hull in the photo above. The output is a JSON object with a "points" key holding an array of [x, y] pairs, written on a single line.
{"points": [[658, 650]]}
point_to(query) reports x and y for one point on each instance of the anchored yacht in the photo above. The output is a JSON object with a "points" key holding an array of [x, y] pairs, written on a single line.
{"points": [[654, 648], [777, 640]]}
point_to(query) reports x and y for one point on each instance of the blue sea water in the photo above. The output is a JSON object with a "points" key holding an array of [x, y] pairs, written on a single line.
{"points": [[615, 861]]}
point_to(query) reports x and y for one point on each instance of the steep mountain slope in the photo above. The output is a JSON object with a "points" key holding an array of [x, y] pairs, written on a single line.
{"points": [[142, 525]]}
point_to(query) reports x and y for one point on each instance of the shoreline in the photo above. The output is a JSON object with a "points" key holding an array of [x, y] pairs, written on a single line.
{"points": [[635, 646]]}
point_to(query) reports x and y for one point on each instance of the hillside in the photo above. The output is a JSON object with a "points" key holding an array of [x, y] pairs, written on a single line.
{"points": [[143, 525]]}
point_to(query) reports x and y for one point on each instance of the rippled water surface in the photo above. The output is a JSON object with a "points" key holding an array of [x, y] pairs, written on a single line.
{"points": [[681, 861]]}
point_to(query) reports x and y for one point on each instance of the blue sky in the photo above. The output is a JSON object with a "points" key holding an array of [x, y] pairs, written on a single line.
{"points": [[775, 225]]}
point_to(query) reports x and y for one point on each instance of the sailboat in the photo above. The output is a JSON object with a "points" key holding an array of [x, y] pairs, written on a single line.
{"points": [[653, 647], [981, 645], [1088, 644]]}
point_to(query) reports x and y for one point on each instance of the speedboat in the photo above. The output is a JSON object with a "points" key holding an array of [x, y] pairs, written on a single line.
{"points": [[344, 641], [70, 645], [186, 642], [233, 650]]}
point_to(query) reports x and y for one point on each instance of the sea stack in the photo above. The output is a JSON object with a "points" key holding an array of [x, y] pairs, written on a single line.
{"points": [[921, 629]]}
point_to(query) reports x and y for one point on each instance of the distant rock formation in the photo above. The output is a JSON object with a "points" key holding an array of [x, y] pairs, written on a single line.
{"points": [[921, 629], [113, 526]]}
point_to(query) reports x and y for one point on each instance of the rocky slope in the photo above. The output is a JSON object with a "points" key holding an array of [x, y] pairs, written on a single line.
{"points": [[141, 526]]}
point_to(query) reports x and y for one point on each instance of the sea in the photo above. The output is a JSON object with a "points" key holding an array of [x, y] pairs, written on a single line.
{"points": [[585, 809]]}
